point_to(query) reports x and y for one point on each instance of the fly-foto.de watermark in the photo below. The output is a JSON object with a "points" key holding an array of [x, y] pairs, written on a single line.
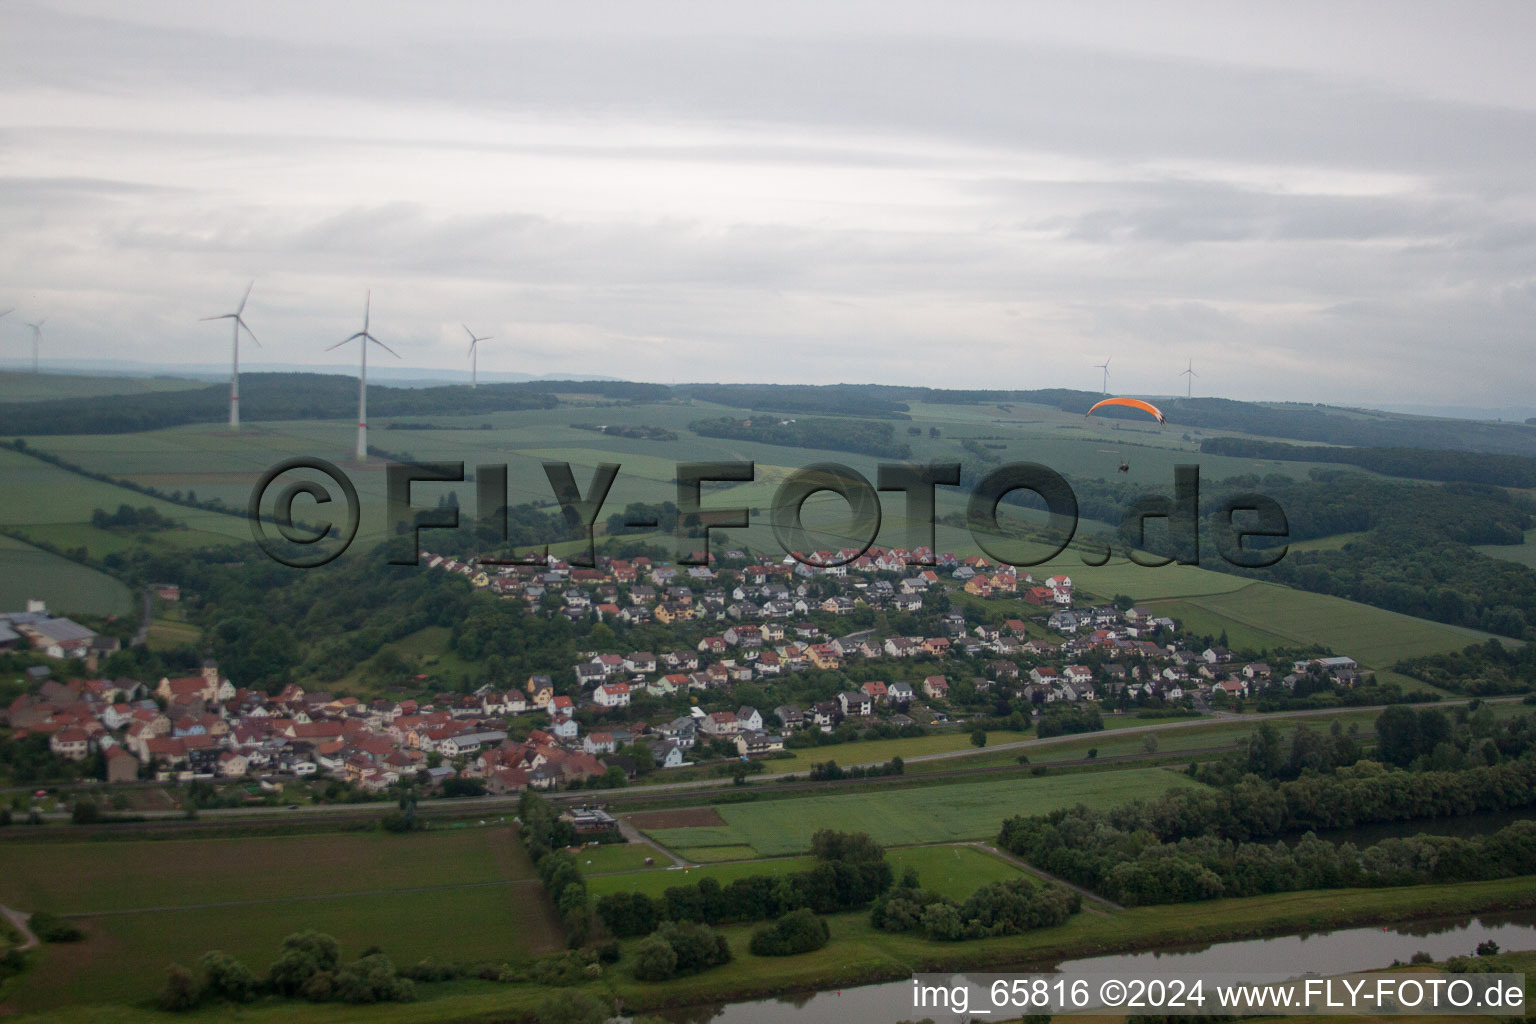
{"points": [[301, 542]]}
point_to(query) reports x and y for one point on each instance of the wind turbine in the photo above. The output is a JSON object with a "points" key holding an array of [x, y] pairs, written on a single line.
{"points": [[37, 337], [234, 372], [362, 377], [474, 367], [1189, 376], [1105, 367]]}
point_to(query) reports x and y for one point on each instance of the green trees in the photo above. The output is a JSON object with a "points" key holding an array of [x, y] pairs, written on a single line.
{"points": [[304, 955], [998, 908], [798, 931], [224, 977], [1192, 845], [544, 836], [309, 967], [680, 948], [181, 991], [628, 914]]}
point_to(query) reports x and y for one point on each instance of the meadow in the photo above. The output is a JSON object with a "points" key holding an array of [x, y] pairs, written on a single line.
{"points": [[91, 877], [38, 387], [451, 893], [1373, 637], [27, 572], [858, 953], [954, 870], [913, 816], [1521, 554]]}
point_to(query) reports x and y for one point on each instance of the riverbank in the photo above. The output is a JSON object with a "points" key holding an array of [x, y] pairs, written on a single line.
{"points": [[860, 955]]}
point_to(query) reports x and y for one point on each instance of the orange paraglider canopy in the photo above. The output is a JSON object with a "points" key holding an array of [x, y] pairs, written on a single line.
{"points": [[1133, 403]]}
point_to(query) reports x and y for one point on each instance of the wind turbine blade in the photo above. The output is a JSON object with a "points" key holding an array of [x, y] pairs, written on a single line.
{"points": [[241, 308], [472, 338], [239, 323], [341, 343], [221, 316], [8, 312], [368, 337], [367, 305]]}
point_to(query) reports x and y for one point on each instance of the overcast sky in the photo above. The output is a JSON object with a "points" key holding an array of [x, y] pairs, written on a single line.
{"points": [[1317, 202]]}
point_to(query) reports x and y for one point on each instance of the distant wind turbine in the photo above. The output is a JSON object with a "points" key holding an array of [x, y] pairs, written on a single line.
{"points": [[474, 342], [234, 372], [1189, 376], [1105, 367], [362, 377], [37, 337]]}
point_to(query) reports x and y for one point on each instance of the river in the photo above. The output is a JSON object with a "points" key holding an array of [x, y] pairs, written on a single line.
{"points": [[1337, 952]]}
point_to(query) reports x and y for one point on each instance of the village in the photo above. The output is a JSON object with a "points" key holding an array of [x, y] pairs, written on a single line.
{"points": [[771, 618]]}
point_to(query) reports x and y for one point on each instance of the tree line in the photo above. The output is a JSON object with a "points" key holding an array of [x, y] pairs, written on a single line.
{"points": [[1197, 844], [264, 396], [308, 967], [997, 908], [1413, 463], [546, 838], [865, 437]]}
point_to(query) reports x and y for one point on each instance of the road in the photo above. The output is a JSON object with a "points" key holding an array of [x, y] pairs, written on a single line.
{"points": [[19, 921]]}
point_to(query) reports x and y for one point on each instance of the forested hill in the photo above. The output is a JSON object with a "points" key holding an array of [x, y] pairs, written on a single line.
{"points": [[1413, 463], [1295, 421], [268, 396]]}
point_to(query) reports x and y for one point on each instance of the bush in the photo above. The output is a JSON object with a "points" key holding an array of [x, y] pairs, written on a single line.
{"points": [[180, 992], [572, 1008], [228, 978], [85, 812], [51, 928], [628, 914], [655, 959], [304, 955], [798, 931]]}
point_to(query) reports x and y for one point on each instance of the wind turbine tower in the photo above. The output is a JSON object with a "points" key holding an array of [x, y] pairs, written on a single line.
{"points": [[1189, 376], [362, 377], [234, 372], [1105, 367], [37, 337], [474, 342]]}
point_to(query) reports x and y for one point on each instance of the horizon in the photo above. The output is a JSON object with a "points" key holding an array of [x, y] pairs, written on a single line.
{"points": [[422, 376], [1313, 203]]}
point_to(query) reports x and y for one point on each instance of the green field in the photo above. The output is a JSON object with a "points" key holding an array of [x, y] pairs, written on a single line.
{"points": [[87, 877], [952, 870], [1522, 554], [1373, 637], [656, 883], [27, 572], [597, 860], [165, 634], [881, 751], [125, 955], [39, 387], [716, 854], [912, 816], [451, 893]]}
